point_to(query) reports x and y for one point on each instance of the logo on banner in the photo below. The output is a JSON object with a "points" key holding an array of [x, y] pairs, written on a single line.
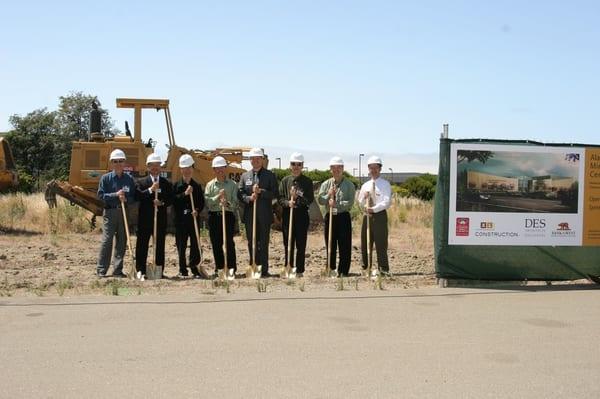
{"points": [[563, 230], [462, 227], [535, 227], [486, 225], [533, 223]]}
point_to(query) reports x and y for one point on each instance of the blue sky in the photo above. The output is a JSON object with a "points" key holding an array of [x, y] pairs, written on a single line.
{"points": [[324, 77], [517, 164]]}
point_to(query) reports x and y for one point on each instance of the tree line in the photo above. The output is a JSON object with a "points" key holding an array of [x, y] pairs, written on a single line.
{"points": [[41, 145]]}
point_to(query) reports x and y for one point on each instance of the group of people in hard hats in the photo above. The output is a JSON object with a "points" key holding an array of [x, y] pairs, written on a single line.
{"points": [[256, 191]]}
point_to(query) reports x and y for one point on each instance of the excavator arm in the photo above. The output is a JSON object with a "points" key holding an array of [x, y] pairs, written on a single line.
{"points": [[75, 194]]}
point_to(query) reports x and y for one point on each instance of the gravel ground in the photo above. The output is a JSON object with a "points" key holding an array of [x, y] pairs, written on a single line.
{"points": [[50, 265]]}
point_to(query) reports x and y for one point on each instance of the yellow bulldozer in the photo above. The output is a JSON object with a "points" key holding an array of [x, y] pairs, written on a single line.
{"points": [[8, 173], [90, 159]]}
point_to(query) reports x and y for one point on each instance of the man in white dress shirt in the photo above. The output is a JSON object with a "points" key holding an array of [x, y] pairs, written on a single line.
{"points": [[374, 198]]}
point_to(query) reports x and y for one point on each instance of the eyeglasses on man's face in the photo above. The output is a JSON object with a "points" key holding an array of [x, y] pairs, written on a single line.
{"points": [[296, 163], [118, 160]]}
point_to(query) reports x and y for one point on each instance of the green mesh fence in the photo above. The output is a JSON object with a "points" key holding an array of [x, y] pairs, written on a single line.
{"points": [[491, 262]]}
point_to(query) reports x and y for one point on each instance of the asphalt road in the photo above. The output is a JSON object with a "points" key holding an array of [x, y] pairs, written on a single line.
{"points": [[454, 343]]}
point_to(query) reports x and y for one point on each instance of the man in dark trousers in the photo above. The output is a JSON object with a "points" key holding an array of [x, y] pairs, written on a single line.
{"points": [[374, 199], [296, 191], [221, 194], [148, 188], [337, 195], [260, 185], [184, 217]]}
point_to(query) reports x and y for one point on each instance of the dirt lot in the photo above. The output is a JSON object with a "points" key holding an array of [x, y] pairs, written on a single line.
{"points": [[64, 264]]}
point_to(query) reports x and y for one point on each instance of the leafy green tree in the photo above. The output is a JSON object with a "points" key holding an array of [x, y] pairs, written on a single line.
{"points": [[422, 186], [41, 141], [315, 175], [470, 156], [280, 173], [73, 116], [32, 141]]}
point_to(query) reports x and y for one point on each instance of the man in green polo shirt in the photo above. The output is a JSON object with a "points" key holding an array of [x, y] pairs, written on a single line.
{"points": [[337, 195], [220, 192]]}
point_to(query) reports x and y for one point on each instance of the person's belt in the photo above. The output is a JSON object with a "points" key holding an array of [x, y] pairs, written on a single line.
{"points": [[112, 206], [380, 212]]}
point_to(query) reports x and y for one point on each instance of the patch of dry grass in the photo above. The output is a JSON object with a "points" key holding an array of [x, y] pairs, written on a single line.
{"points": [[410, 211], [30, 213]]}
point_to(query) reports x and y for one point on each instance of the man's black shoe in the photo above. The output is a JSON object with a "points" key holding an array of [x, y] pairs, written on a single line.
{"points": [[119, 275]]}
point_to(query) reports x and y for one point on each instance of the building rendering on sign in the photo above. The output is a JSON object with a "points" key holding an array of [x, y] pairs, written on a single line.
{"points": [[527, 184]]}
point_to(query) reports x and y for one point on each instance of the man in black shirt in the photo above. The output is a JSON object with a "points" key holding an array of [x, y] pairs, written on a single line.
{"points": [[185, 214], [146, 190], [260, 185], [296, 191]]}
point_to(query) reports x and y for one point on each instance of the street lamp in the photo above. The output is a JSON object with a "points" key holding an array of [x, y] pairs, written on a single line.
{"points": [[359, 171], [391, 170], [279, 159]]}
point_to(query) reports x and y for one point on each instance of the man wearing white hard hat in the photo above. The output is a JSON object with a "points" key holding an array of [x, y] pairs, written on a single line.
{"points": [[296, 191], [147, 189], [337, 195], [183, 189], [116, 188], [260, 185], [221, 192], [374, 199]]}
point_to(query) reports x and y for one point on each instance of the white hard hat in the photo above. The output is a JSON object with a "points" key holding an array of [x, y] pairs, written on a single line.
{"points": [[219, 162], [117, 154], [374, 159], [185, 161], [336, 161], [297, 157], [153, 158], [256, 152]]}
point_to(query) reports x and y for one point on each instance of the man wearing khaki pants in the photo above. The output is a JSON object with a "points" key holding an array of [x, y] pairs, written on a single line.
{"points": [[379, 191]]}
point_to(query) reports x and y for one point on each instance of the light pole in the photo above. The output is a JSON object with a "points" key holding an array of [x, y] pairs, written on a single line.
{"points": [[391, 170], [279, 159], [359, 171]]}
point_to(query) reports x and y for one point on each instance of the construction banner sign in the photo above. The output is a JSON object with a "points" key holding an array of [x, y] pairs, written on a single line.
{"points": [[517, 210], [591, 200], [523, 195]]}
